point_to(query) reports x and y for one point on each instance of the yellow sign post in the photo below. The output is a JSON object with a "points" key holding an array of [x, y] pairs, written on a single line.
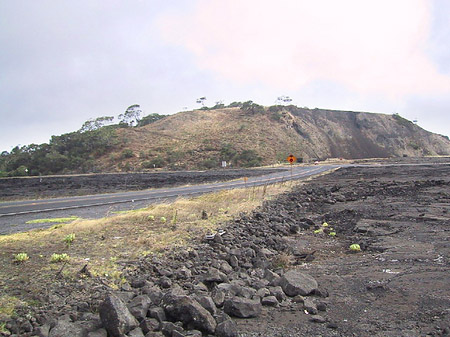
{"points": [[291, 159]]}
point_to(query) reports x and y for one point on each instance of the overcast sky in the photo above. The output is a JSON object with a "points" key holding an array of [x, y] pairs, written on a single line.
{"points": [[64, 62]]}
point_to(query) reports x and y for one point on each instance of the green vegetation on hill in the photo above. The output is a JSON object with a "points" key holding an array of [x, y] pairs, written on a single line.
{"points": [[74, 151], [71, 152]]}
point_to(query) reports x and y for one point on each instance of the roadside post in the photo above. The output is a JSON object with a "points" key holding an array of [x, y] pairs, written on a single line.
{"points": [[291, 159]]}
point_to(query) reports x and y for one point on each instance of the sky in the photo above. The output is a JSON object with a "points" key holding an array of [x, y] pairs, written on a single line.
{"points": [[65, 62]]}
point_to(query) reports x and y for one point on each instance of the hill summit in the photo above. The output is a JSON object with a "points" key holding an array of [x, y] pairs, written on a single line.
{"points": [[242, 134]]}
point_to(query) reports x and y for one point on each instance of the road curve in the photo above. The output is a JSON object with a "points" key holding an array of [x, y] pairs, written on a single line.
{"points": [[13, 208]]}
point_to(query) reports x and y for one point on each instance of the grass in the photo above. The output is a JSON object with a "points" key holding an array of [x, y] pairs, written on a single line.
{"points": [[53, 220], [105, 243]]}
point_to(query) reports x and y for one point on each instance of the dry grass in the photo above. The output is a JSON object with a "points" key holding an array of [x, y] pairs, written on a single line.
{"points": [[103, 243]]}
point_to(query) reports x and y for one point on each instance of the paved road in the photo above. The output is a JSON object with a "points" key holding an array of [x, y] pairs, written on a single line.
{"points": [[14, 208]]}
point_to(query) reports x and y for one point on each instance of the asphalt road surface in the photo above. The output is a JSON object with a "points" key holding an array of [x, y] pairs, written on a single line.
{"points": [[14, 214]]}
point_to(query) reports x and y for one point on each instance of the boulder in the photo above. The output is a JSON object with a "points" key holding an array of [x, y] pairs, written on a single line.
{"points": [[218, 296], [157, 313], [214, 275], [207, 303], [278, 293], [64, 327], [116, 317], [98, 333], [139, 305], [149, 324], [270, 301], [136, 333], [317, 319], [167, 328], [242, 307], [295, 283], [310, 306], [188, 311], [226, 328]]}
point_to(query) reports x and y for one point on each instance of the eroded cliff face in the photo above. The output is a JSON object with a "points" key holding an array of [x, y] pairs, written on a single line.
{"points": [[347, 134]]}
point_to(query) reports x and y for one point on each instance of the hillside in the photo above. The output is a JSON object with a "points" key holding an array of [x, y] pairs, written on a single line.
{"points": [[243, 134], [203, 138]]}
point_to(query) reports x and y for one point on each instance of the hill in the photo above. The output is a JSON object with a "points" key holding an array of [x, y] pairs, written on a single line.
{"points": [[243, 134], [247, 137]]}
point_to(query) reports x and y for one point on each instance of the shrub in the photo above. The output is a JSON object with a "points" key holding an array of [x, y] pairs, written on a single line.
{"points": [[157, 162], [55, 258], [235, 105], [21, 257], [208, 163], [227, 152], [252, 108], [276, 116], [248, 158], [414, 146], [127, 153], [355, 247]]}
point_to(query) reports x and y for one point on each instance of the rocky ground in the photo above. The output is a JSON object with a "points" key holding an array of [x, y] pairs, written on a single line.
{"points": [[67, 185], [286, 269]]}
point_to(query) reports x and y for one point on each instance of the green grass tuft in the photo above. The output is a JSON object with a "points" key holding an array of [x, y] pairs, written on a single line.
{"points": [[53, 220]]}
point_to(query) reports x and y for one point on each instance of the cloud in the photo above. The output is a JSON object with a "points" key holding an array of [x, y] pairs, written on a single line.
{"points": [[370, 47]]}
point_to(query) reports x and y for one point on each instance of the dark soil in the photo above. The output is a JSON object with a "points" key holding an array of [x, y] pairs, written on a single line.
{"points": [[69, 185], [398, 285]]}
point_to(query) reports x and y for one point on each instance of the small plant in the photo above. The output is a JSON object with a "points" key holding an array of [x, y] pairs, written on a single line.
{"points": [[3, 329], [163, 219], [282, 260], [21, 257], [151, 217], [318, 231], [332, 234], [325, 224], [59, 258], [69, 239], [174, 220], [355, 247]]}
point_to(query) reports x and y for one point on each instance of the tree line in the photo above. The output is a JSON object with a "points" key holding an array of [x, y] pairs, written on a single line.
{"points": [[71, 152]]}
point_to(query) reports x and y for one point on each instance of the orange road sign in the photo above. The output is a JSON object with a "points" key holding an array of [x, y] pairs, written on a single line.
{"points": [[291, 159]]}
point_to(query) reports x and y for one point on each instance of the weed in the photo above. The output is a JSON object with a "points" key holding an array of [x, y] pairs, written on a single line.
{"points": [[21, 257], [282, 260], [3, 329], [68, 239], [8, 305], [151, 217], [163, 219], [55, 258], [174, 217], [174, 220], [355, 247], [53, 220]]}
